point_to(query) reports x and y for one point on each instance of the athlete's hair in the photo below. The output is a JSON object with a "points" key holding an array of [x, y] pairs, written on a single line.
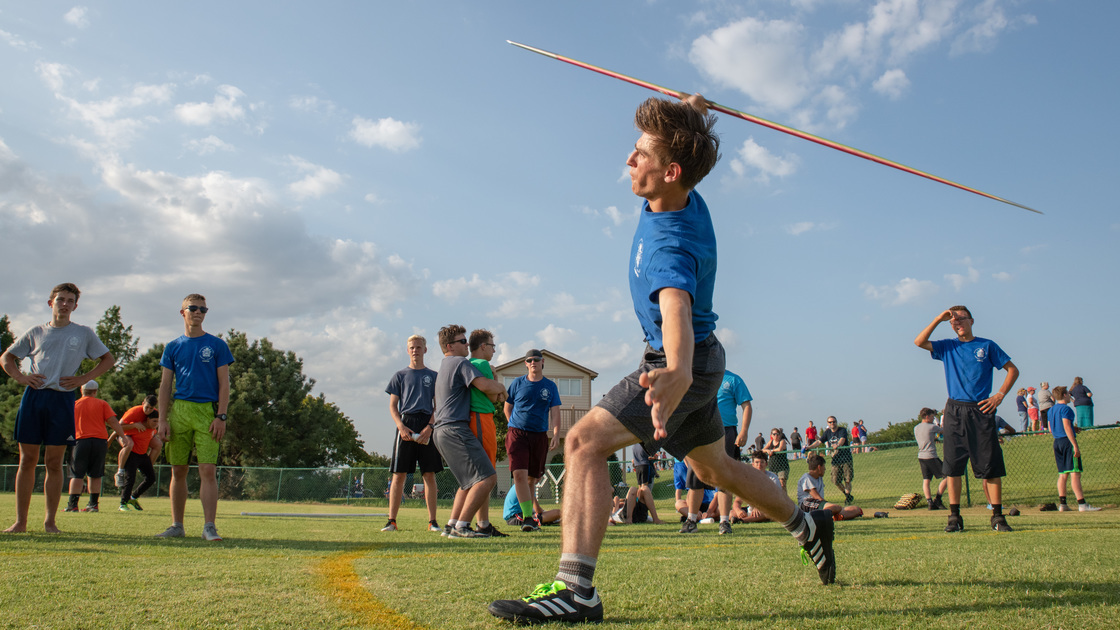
{"points": [[478, 337], [193, 297], [760, 454], [1059, 392], [152, 400], [960, 307], [419, 338], [681, 134], [814, 461], [926, 411], [448, 333], [69, 287]]}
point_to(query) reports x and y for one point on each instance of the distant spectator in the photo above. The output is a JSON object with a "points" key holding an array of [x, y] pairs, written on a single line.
{"points": [[862, 436], [926, 433], [1067, 453], [843, 470], [795, 443], [810, 434], [775, 451], [1045, 402], [759, 442], [747, 514], [1082, 403], [1021, 407], [641, 494], [1032, 411], [810, 493]]}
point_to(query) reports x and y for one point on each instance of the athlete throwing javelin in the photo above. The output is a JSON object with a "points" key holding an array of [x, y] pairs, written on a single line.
{"points": [[670, 400]]}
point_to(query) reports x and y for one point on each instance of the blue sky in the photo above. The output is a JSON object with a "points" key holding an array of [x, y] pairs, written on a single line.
{"points": [[337, 176]]}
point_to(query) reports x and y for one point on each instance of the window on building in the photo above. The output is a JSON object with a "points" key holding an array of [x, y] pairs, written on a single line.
{"points": [[570, 386]]}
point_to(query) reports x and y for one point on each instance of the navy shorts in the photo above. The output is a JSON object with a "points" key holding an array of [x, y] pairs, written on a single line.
{"points": [[696, 421], [971, 434], [1063, 457], [45, 416]]}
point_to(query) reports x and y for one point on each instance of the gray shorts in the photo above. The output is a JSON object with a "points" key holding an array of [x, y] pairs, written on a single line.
{"points": [[463, 453], [696, 421]]}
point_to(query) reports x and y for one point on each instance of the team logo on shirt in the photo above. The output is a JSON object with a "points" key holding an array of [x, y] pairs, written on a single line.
{"points": [[206, 353], [726, 386], [427, 381], [545, 394], [73, 342], [638, 260], [980, 353]]}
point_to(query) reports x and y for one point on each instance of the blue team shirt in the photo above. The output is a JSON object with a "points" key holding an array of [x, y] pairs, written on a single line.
{"points": [[531, 403], [733, 392], [1055, 414], [674, 250], [680, 481], [968, 366], [195, 362]]}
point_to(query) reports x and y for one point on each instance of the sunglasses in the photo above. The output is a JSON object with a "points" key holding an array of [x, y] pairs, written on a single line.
{"points": [[463, 341], [194, 307], [534, 360]]}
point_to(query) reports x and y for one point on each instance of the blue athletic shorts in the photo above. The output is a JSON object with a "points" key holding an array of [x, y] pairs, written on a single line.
{"points": [[45, 416]]}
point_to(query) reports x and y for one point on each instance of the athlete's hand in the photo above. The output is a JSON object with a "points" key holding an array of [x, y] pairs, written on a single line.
{"points": [[741, 440], [33, 380], [164, 430], [70, 382], [425, 435], [217, 428], [1076, 451], [664, 390], [555, 441], [990, 404]]}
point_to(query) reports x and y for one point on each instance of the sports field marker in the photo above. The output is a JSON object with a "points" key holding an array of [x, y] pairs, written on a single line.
{"points": [[771, 124], [312, 514]]}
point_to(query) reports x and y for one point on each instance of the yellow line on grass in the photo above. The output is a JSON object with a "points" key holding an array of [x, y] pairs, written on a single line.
{"points": [[340, 581]]}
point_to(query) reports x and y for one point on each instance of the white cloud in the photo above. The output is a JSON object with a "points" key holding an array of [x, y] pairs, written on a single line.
{"points": [[209, 144], [801, 227], [556, 338], [904, 291], [1002, 276], [78, 16], [312, 104], [507, 285], [958, 281], [318, 181], [760, 58], [753, 157], [892, 84], [223, 108], [990, 22], [385, 132]]}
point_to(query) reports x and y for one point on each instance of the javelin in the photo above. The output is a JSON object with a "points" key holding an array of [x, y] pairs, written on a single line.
{"points": [[772, 125]]}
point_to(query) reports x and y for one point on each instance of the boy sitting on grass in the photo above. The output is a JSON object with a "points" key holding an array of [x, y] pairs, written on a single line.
{"points": [[810, 493], [1067, 454], [739, 514]]}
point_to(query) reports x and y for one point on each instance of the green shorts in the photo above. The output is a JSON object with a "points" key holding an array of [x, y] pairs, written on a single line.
{"points": [[190, 426]]}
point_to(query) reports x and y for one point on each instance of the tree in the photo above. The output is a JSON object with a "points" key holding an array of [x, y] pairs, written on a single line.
{"points": [[117, 338], [273, 418], [10, 393]]}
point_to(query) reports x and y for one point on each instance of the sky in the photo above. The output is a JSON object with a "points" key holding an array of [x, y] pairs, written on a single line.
{"points": [[338, 176]]}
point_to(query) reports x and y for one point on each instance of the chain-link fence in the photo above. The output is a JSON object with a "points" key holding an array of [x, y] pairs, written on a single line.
{"points": [[882, 473]]}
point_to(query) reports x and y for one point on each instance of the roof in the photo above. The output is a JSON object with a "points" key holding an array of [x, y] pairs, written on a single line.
{"points": [[550, 355]]}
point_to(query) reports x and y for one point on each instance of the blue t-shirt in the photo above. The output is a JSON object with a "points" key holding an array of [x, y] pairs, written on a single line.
{"points": [[415, 389], [511, 508], [674, 250], [1054, 415], [968, 366], [733, 392], [195, 362], [680, 481], [531, 403]]}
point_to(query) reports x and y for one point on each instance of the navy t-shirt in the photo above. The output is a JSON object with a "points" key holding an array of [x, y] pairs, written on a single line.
{"points": [[415, 388], [968, 366], [531, 403]]}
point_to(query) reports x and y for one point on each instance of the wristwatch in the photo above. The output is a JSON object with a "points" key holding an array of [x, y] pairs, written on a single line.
{"points": [[220, 416]]}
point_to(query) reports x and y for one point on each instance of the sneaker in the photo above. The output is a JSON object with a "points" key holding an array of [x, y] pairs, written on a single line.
{"points": [[466, 532], [125, 507], [90, 508], [724, 527], [530, 525], [617, 517], [434, 527], [999, 524], [689, 526], [210, 532], [135, 504], [1085, 507], [989, 507], [550, 602], [932, 504], [818, 549], [446, 533], [175, 531], [1062, 507], [492, 531], [71, 508], [849, 499], [120, 478], [956, 524], [391, 526], [939, 503], [515, 521]]}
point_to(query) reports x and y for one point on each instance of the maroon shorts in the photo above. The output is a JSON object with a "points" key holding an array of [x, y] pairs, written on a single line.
{"points": [[527, 450]]}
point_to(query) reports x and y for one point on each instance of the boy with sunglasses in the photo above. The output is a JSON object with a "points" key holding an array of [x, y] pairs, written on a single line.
{"points": [[198, 365]]}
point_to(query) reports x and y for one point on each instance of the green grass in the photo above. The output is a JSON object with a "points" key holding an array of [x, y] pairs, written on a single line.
{"points": [[106, 570]]}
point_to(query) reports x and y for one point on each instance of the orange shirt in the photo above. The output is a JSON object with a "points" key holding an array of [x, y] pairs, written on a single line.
{"points": [[141, 440], [90, 415]]}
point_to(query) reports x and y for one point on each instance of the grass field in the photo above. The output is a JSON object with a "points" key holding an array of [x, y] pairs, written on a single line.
{"points": [[1058, 570]]}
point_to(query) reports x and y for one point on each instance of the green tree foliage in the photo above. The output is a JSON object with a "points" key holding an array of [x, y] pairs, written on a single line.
{"points": [[274, 419], [117, 338], [901, 432], [10, 393]]}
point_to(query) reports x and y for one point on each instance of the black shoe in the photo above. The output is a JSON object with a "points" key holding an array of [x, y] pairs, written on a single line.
{"points": [[938, 505], [688, 526], [848, 499], [818, 549], [956, 523], [492, 531], [530, 525], [550, 602], [999, 524]]}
